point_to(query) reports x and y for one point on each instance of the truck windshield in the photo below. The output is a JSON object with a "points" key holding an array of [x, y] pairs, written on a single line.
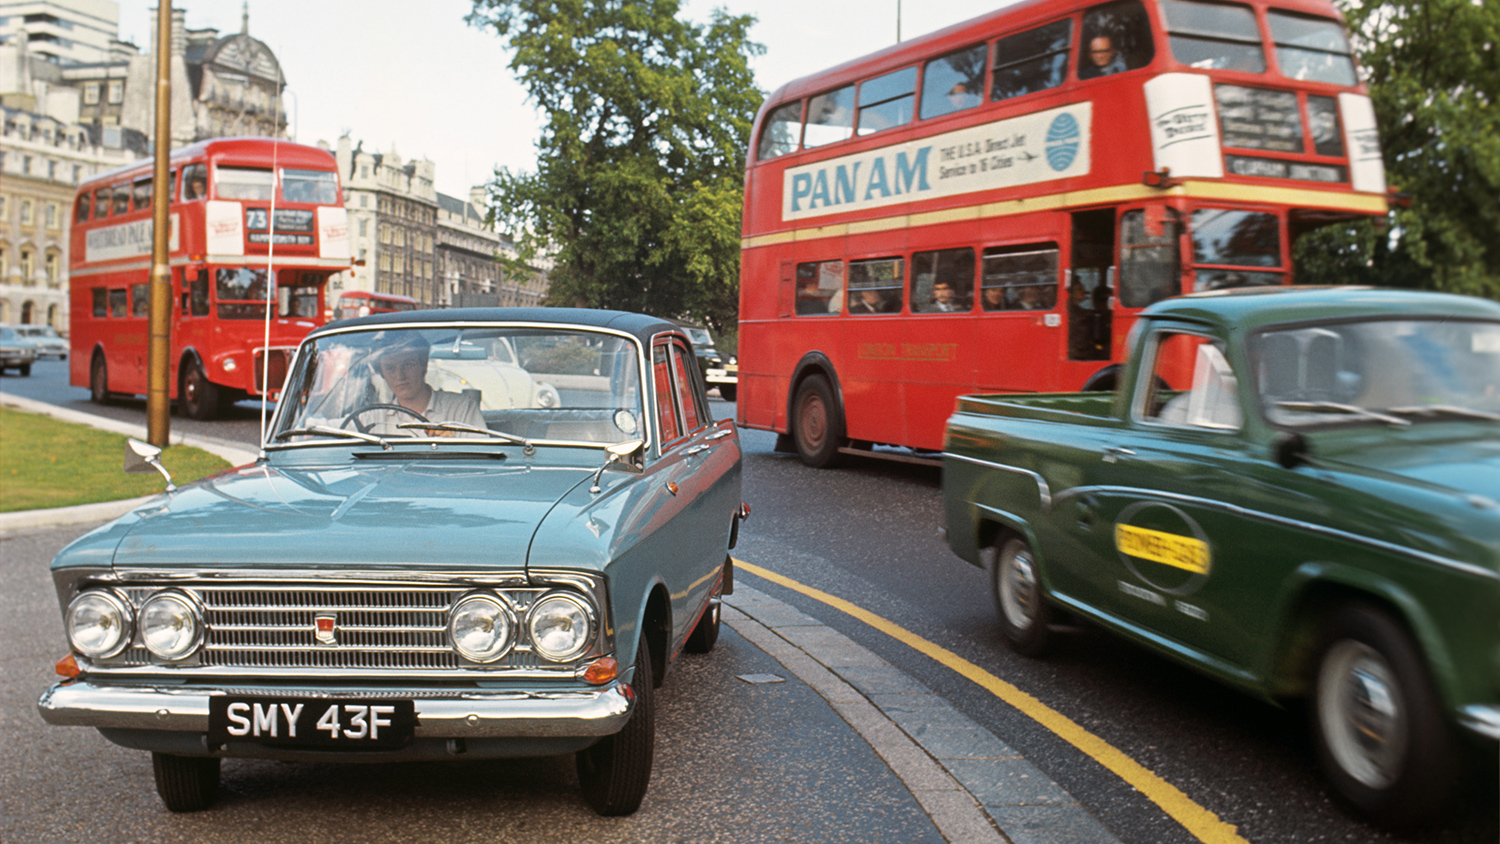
{"points": [[1378, 371]]}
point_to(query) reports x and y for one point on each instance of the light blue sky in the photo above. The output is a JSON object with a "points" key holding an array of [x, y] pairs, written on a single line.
{"points": [[424, 84]]}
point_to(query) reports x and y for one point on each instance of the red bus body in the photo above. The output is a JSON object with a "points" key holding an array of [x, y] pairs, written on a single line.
{"points": [[358, 303], [220, 250], [1185, 166]]}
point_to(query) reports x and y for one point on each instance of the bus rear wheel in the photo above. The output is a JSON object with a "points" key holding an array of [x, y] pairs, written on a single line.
{"points": [[818, 424], [99, 381], [199, 396]]}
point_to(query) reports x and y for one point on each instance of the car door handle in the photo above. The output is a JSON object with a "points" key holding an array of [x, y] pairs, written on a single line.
{"points": [[721, 434], [1112, 453], [697, 448]]}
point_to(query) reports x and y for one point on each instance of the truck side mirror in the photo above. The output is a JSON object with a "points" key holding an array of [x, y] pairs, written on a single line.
{"points": [[1289, 449]]}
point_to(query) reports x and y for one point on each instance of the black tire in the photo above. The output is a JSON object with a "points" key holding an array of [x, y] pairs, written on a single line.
{"points": [[1377, 721], [186, 783], [25, 370], [706, 633], [817, 423], [1025, 614], [99, 381], [198, 397], [614, 773], [727, 392]]}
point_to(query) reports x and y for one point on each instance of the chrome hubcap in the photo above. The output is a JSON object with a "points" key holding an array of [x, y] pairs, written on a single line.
{"points": [[1018, 588], [1362, 713]]}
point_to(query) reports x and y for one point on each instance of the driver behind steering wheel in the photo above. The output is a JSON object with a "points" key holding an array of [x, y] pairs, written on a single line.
{"points": [[403, 365]]}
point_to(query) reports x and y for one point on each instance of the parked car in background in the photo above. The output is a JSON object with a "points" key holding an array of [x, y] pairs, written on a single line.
{"points": [[16, 352], [719, 370], [1295, 491], [429, 562], [48, 342]]}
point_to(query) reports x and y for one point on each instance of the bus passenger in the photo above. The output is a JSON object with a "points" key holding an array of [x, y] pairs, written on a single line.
{"points": [[871, 301], [1104, 59], [945, 299]]}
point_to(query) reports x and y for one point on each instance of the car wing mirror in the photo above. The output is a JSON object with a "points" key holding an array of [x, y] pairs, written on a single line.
{"points": [[629, 455], [144, 458], [1289, 449]]}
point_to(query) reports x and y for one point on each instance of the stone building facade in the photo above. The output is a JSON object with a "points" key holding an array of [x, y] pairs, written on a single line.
{"points": [[393, 212]]}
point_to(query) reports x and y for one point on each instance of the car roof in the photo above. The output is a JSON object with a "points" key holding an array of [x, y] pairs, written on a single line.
{"points": [[641, 326], [1251, 307]]}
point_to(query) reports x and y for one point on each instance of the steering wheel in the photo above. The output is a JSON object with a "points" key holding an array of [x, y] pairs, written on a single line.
{"points": [[365, 429]]}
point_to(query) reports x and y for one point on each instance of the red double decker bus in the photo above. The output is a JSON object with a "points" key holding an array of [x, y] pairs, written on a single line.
{"points": [[358, 303], [225, 267], [989, 207]]}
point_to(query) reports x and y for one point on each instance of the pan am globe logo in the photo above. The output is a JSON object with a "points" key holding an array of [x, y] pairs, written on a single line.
{"points": [[1063, 137]]}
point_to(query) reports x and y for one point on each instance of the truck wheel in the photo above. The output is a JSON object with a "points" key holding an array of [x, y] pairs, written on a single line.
{"points": [[199, 396], [186, 783], [819, 427], [1378, 721], [1025, 615], [99, 381], [614, 772], [727, 391]]}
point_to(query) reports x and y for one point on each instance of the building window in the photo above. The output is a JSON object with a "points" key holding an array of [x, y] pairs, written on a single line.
{"points": [[116, 90], [52, 265], [25, 212], [26, 267], [91, 94]]}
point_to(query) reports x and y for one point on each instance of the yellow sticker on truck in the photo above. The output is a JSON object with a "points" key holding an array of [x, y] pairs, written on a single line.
{"points": [[1170, 549]]}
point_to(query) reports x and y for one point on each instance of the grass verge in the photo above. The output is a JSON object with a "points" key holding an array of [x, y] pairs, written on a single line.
{"points": [[45, 462]]}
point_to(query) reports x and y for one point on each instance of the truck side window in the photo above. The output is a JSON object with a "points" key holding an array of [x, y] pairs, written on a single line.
{"points": [[1213, 400]]}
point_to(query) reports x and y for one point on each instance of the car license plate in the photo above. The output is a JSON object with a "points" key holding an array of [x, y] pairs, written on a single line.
{"points": [[341, 723]]}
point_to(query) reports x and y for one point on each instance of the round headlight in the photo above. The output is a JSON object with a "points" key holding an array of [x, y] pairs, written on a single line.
{"points": [[481, 628], [171, 626], [547, 396], [560, 627], [98, 624]]}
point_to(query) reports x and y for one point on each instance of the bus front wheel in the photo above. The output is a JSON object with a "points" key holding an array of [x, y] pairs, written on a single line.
{"points": [[99, 381], [199, 396], [819, 426]]}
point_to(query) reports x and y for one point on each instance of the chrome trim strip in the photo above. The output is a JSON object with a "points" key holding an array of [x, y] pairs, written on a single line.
{"points": [[473, 713], [1044, 491], [1333, 533]]}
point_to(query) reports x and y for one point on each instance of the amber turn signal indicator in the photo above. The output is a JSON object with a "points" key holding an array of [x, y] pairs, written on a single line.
{"points": [[601, 671], [67, 667]]}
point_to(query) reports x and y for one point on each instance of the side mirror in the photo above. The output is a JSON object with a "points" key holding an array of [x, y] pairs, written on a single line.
{"points": [[630, 455], [143, 458], [1289, 449]]}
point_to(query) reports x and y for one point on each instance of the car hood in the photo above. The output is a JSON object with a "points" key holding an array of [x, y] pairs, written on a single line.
{"points": [[1463, 468], [433, 515]]}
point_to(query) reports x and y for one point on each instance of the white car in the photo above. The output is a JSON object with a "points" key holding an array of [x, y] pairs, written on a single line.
{"points": [[48, 342]]}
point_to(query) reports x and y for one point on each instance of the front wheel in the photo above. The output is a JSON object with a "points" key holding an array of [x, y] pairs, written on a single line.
{"points": [[99, 381], [1025, 615], [25, 370], [1378, 721], [819, 426], [186, 783], [614, 772], [199, 396]]}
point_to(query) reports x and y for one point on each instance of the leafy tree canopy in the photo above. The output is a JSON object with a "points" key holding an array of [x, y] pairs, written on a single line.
{"points": [[1433, 68], [637, 191]]}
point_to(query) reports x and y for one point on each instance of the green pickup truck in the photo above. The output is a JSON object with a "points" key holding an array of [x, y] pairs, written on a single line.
{"points": [[1294, 490]]}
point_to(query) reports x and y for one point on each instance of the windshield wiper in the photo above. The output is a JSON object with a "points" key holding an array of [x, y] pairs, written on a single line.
{"points": [[1335, 407], [334, 432], [1450, 409], [527, 448]]}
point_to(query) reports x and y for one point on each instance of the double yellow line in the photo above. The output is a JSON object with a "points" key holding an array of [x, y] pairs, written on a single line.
{"points": [[1200, 822]]}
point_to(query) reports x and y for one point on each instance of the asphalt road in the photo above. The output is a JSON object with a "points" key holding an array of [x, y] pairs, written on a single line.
{"points": [[866, 533]]}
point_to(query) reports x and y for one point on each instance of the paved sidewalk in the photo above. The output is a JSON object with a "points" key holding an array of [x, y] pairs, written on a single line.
{"points": [[975, 788], [236, 453]]}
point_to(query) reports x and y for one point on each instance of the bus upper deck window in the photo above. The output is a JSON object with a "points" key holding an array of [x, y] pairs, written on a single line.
{"points": [[121, 201], [1210, 36], [953, 82], [830, 117], [1314, 49], [1034, 60], [85, 208], [243, 183], [778, 135], [312, 186], [194, 182], [886, 101], [141, 194], [101, 203], [1116, 37]]}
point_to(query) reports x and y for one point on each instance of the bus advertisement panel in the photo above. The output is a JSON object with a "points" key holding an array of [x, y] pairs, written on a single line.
{"points": [[229, 256], [988, 207]]}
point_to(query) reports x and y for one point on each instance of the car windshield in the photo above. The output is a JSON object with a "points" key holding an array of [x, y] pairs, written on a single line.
{"points": [[700, 337], [1391, 372], [533, 385]]}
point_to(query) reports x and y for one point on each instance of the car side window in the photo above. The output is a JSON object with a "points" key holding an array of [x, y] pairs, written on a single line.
{"points": [[1211, 402], [666, 399], [683, 365]]}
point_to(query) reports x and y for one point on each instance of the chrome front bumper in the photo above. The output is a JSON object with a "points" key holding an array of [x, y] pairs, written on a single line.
{"points": [[466, 714]]}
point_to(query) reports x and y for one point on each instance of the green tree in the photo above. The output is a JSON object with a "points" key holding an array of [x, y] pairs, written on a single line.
{"points": [[637, 192], [1433, 69]]}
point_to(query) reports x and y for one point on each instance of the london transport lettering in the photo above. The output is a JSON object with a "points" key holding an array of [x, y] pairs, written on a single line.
{"points": [[1033, 148]]}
